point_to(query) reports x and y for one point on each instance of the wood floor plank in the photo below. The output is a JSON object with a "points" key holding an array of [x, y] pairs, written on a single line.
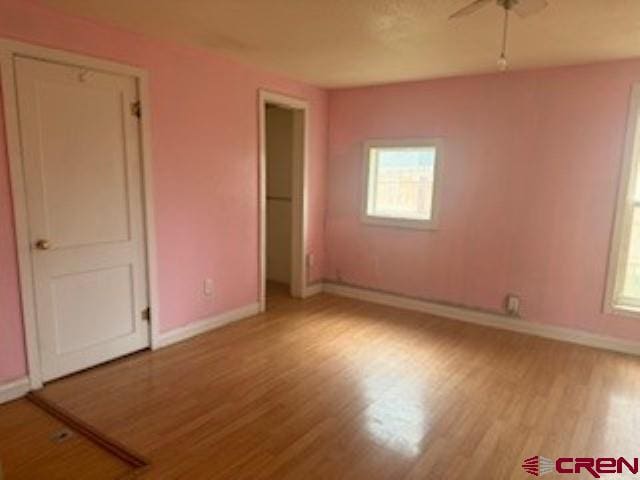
{"points": [[334, 388]]}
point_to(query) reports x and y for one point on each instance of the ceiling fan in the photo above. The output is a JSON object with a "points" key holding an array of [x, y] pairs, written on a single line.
{"points": [[523, 8]]}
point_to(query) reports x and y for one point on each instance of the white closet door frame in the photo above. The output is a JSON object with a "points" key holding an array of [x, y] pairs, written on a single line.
{"points": [[9, 50], [299, 194]]}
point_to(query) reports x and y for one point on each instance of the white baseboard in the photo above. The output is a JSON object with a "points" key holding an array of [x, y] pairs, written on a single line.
{"points": [[493, 320], [15, 389], [313, 289], [201, 326]]}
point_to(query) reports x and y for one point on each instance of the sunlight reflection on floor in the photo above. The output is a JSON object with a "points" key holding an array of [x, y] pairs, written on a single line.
{"points": [[396, 417]]}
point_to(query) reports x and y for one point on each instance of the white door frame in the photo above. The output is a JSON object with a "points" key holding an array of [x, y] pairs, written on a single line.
{"points": [[298, 195], [10, 49]]}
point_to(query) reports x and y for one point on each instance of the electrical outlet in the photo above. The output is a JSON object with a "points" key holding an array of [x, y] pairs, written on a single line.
{"points": [[311, 260], [208, 287], [512, 305]]}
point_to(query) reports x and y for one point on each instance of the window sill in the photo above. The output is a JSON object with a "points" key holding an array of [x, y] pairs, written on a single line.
{"points": [[623, 310], [400, 223]]}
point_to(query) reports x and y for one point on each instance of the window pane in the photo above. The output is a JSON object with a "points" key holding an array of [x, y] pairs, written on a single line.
{"points": [[403, 182], [631, 286]]}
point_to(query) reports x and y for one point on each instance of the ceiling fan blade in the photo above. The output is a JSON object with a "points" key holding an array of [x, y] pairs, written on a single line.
{"points": [[469, 9], [526, 8]]}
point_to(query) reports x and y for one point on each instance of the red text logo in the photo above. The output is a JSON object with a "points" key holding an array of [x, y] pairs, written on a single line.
{"points": [[596, 467]]}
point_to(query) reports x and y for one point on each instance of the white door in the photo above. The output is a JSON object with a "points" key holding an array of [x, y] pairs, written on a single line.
{"points": [[81, 153]]}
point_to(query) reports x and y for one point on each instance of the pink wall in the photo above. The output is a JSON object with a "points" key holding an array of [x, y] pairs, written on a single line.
{"points": [[205, 169], [530, 176]]}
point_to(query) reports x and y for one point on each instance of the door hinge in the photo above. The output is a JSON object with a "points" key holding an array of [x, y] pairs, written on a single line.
{"points": [[136, 109], [146, 314]]}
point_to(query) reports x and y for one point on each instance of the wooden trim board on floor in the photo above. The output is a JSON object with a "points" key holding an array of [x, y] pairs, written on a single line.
{"points": [[112, 446], [485, 318]]}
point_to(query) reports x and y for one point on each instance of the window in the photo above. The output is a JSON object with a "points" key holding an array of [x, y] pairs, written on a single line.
{"points": [[402, 182], [623, 284]]}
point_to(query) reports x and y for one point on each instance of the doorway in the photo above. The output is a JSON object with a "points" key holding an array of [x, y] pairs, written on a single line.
{"points": [[78, 170], [283, 122]]}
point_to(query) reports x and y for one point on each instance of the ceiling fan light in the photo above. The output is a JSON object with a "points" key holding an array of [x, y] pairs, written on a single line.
{"points": [[503, 63]]}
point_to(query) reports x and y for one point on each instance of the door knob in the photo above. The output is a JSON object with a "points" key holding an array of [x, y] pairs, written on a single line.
{"points": [[43, 244]]}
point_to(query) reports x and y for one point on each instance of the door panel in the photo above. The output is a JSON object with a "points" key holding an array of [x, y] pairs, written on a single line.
{"points": [[97, 288], [81, 158], [98, 185]]}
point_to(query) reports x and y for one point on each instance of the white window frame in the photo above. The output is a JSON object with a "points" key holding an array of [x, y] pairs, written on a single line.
{"points": [[615, 303], [430, 224]]}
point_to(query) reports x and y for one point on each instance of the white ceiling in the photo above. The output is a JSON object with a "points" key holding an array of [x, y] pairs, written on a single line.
{"points": [[334, 43]]}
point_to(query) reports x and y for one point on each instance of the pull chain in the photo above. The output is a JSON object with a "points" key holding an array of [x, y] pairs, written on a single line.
{"points": [[503, 64]]}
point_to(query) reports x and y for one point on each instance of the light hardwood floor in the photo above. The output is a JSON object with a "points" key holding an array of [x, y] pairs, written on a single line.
{"points": [[28, 452], [332, 388]]}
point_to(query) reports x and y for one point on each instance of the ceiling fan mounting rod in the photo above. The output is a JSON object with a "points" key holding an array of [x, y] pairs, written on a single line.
{"points": [[503, 63], [505, 31]]}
